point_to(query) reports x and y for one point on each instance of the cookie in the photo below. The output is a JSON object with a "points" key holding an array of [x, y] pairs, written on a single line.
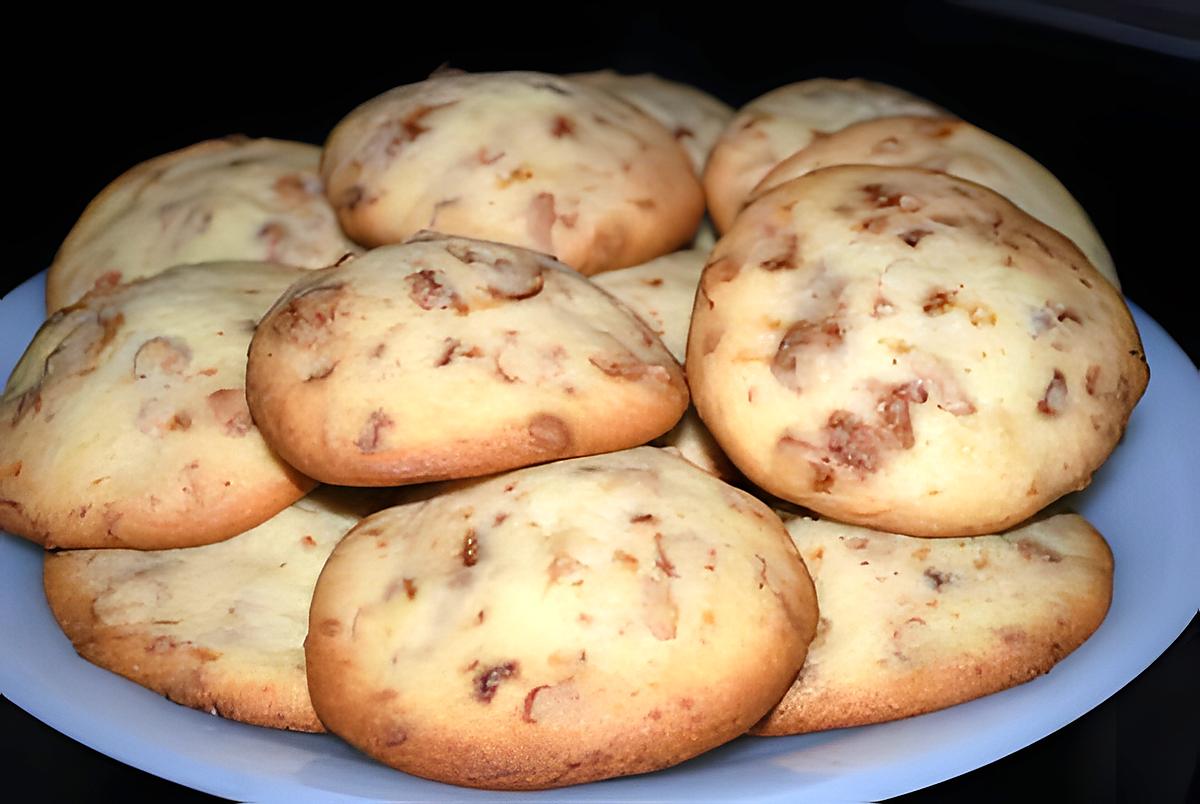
{"points": [[229, 199], [906, 350], [661, 292], [774, 126], [125, 423], [960, 149], [912, 625], [692, 441], [219, 627], [534, 160], [590, 618], [446, 357], [693, 117], [706, 236]]}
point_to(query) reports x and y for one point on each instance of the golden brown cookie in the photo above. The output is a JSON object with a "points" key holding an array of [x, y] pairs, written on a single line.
{"points": [[906, 350], [535, 160], [586, 619], [229, 199], [774, 126], [693, 117], [912, 625], [960, 149], [218, 627], [661, 292], [446, 357], [125, 422], [692, 441]]}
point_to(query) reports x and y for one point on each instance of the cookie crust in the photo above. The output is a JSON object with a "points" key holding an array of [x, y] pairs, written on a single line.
{"points": [[535, 160], [694, 118], [960, 149], [125, 422], [234, 198], [372, 373], [218, 627], [911, 625], [774, 126], [558, 624], [906, 350]]}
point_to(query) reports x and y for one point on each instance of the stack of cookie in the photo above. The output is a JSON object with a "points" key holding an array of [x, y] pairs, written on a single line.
{"points": [[468, 315]]}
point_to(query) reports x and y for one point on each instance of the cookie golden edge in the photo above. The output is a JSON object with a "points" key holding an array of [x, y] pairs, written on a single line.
{"points": [[57, 294], [286, 423], [143, 528], [339, 689], [725, 190], [1011, 665], [173, 670], [616, 242], [978, 520]]}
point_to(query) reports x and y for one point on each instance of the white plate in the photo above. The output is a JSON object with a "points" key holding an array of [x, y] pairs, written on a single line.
{"points": [[1145, 500]]}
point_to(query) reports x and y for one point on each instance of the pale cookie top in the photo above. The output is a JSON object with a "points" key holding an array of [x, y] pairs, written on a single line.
{"points": [[774, 126], [219, 627], [910, 625], [960, 149], [706, 236], [446, 357], [695, 118], [904, 349], [691, 440], [661, 292], [524, 158], [125, 422], [230, 199], [588, 618]]}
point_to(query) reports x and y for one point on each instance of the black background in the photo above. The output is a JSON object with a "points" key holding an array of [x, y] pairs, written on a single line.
{"points": [[1119, 125]]}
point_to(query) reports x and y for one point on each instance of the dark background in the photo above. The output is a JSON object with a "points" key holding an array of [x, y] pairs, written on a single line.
{"points": [[1109, 101]]}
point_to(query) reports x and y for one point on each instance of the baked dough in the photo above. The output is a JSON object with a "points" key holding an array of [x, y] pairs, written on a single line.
{"points": [[219, 627], [912, 625], [125, 423], [590, 618], [960, 149], [774, 126], [694, 117], [661, 292], [530, 159], [228, 199], [906, 350], [446, 357]]}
